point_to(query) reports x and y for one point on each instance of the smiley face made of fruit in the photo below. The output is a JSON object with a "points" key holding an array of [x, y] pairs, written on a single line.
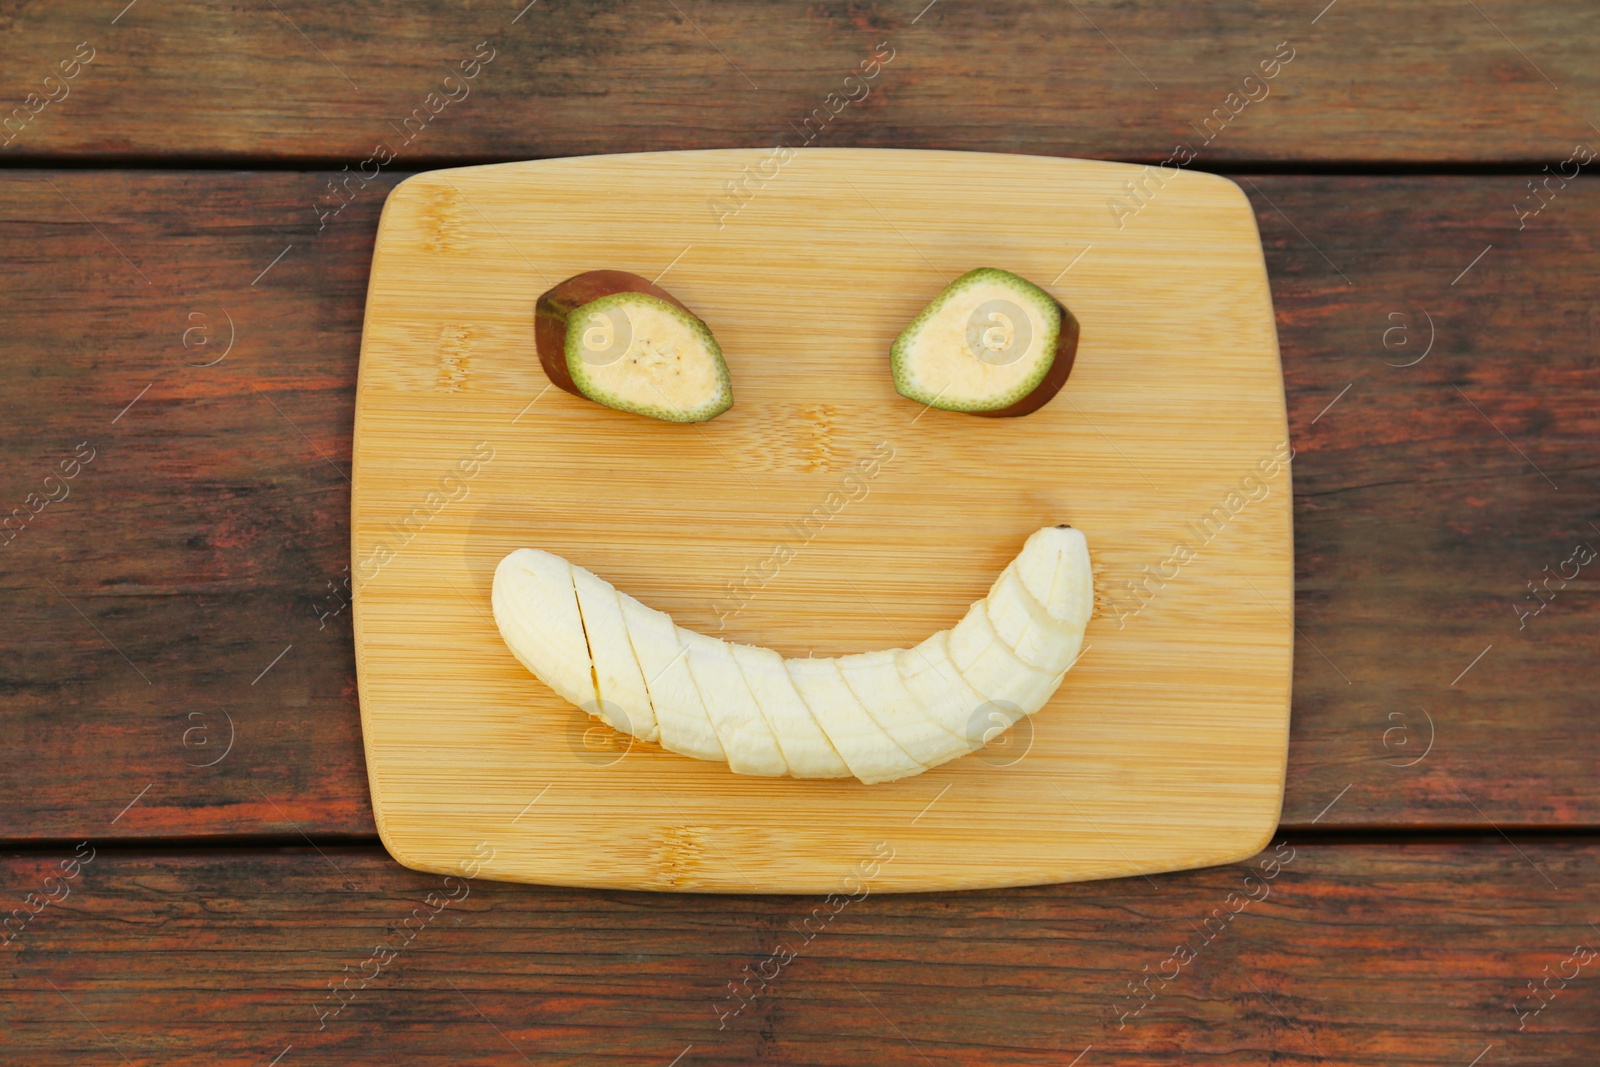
{"points": [[990, 344]]}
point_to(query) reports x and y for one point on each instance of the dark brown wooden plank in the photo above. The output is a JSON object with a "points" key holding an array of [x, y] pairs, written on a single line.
{"points": [[1344, 955], [145, 609], [1428, 497], [1434, 80], [200, 541]]}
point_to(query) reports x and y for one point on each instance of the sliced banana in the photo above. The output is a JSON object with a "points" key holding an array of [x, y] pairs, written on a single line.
{"points": [[734, 713], [1027, 629], [865, 747], [1054, 566], [947, 697], [878, 716], [805, 747], [537, 611], [993, 669], [663, 661], [620, 696], [875, 680]]}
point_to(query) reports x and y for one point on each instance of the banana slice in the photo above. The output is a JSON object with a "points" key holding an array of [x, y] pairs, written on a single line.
{"points": [[806, 749], [875, 680], [740, 726], [537, 611], [1054, 566], [948, 698], [993, 669], [877, 716], [1027, 629], [621, 700], [680, 713], [870, 753]]}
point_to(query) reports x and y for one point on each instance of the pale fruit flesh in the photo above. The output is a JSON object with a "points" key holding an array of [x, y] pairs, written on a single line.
{"points": [[640, 354], [992, 343]]}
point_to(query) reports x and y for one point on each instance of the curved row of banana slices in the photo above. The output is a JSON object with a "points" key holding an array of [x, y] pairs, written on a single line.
{"points": [[876, 715]]}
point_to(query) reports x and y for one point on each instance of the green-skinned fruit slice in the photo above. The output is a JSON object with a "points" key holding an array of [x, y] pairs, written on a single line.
{"points": [[622, 341], [991, 344]]}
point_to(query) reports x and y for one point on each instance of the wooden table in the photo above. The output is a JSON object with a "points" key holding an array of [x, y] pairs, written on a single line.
{"points": [[186, 236]]}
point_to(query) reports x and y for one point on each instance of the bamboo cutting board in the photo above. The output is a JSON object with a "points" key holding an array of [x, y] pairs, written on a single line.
{"points": [[825, 514]]}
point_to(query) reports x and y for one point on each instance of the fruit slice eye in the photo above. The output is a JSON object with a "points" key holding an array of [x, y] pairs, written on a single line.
{"points": [[619, 340], [992, 343]]}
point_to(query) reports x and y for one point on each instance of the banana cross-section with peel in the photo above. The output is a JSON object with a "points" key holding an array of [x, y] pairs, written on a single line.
{"points": [[875, 715]]}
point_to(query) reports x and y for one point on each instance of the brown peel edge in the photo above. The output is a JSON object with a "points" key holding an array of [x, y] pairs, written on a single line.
{"points": [[1055, 377], [555, 308]]}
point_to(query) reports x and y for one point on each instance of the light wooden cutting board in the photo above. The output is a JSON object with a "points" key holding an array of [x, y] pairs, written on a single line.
{"points": [[1165, 747]]}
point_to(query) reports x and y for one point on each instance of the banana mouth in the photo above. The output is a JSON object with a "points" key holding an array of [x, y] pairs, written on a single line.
{"points": [[876, 716]]}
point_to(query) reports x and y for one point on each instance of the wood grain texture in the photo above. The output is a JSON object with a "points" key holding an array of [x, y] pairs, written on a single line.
{"points": [[198, 544], [1428, 81], [1348, 955], [1164, 747], [1428, 497], [202, 538]]}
